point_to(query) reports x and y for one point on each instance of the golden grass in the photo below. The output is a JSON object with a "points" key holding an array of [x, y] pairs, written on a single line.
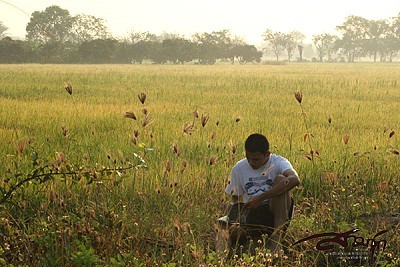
{"points": [[337, 123]]}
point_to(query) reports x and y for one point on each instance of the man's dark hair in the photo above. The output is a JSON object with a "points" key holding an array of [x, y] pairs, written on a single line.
{"points": [[257, 143]]}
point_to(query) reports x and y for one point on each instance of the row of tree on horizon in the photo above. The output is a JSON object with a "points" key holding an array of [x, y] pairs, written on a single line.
{"points": [[54, 36]]}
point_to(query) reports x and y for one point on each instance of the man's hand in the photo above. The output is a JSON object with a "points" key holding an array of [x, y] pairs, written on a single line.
{"points": [[254, 202], [283, 183]]}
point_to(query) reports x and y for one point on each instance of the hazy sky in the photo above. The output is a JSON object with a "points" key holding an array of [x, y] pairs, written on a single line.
{"points": [[248, 19]]}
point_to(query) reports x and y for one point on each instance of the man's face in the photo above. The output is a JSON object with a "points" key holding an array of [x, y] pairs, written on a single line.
{"points": [[257, 159]]}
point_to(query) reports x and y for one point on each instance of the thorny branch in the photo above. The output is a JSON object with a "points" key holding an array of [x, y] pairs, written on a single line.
{"points": [[44, 177]]}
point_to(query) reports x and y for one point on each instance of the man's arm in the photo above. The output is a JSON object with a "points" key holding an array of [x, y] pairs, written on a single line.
{"points": [[283, 184]]}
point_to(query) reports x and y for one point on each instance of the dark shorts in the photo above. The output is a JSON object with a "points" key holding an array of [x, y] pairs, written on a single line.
{"points": [[261, 215], [258, 220]]}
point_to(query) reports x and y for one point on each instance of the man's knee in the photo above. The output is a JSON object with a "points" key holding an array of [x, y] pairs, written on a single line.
{"points": [[280, 204]]}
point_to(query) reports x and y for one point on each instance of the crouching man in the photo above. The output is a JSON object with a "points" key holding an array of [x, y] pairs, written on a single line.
{"points": [[260, 187]]}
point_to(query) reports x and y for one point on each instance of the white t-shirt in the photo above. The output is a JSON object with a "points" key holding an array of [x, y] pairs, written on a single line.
{"points": [[247, 182]]}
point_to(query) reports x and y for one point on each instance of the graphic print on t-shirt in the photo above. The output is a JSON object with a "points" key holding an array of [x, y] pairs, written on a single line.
{"points": [[257, 184]]}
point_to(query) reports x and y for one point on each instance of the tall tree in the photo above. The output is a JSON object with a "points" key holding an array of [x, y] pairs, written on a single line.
{"points": [[137, 37], [3, 29], [235, 48], [51, 25], [213, 46], [324, 43], [247, 53], [12, 51], [354, 31], [142, 51], [86, 28], [178, 50], [300, 48], [224, 42], [393, 38], [276, 42], [98, 51], [395, 27], [293, 39], [376, 38]]}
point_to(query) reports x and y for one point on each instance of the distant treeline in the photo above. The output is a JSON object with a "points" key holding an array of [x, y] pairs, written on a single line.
{"points": [[54, 36], [175, 50]]}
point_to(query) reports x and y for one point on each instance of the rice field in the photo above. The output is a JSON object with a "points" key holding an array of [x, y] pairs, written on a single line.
{"points": [[130, 169]]}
